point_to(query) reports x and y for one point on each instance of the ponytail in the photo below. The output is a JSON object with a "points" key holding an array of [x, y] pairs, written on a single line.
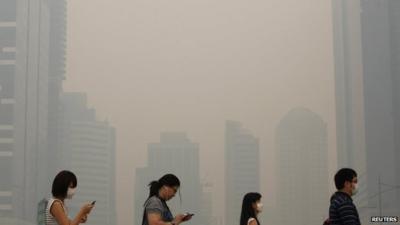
{"points": [[154, 187], [168, 180]]}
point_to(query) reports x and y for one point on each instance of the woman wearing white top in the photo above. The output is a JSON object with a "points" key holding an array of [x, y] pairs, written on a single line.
{"points": [[251, 207], [64, 186]]}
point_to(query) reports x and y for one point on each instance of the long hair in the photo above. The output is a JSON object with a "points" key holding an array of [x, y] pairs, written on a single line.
{"points": [[169, 180], [247, 207]]}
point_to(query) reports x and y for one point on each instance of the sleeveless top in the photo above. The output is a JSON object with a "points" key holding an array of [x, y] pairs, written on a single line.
{"points": [[50, 219], [250, 219]]}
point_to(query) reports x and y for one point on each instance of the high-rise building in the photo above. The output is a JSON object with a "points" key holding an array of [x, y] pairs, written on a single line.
{"points": [[367, 48], [57, 55], [87, 147], [41, 212], [175, 154], [30, 116], [28, 101], [7, 100], [302, 171], [381, 62], [242, 168], [143, 177], [206, 209], [349, 86], [349, 92]]}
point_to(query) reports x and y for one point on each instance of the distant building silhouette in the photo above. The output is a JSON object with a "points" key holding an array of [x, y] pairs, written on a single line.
{"points": [[242, 168], [176, 154], [28, 100], [302, 170], [8, 17], [367, 67], [87, 147], [41, 212]]}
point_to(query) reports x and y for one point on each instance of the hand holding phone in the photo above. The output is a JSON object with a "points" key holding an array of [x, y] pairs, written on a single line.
{"points": [[187, 216]]}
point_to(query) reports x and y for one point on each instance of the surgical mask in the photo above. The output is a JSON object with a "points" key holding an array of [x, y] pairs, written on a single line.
{"points": [[355, 189], [71, 192], [259, 207]]}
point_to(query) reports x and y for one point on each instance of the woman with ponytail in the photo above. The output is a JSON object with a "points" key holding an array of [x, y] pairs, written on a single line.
{"points": [[156, 211]]}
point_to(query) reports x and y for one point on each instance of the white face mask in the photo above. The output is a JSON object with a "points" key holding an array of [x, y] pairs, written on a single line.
{"points": [[259, 207], [355, 189], [71, 192]]}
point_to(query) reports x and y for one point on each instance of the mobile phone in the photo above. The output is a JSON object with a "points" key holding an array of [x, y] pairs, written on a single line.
{"points": [[94, 202], [187, 215]]}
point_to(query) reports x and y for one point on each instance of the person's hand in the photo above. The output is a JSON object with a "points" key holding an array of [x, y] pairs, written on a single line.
{"points": [[179, 218], [84, 219], [187, 217], [87, 208]]}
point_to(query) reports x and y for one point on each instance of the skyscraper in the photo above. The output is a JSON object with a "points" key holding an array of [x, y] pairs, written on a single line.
{"points": [[349, 92], [302, 171], [30, 116], [57, 55], [242, 168], [87, 148], [206, 209], [381, 62], [349, 88], [7, 100], [176, 154], [367, 36]]}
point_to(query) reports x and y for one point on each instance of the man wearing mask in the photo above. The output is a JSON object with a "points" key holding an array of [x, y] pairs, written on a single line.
{"points": [[342, 210]]}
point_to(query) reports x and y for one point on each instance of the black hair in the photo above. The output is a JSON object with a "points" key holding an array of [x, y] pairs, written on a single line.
{"points": [[247, 207], [343, 175], [169, 180], [62, 182]]}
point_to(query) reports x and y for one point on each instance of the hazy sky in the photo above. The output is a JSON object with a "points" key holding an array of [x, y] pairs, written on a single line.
{"points": [[188, 65]]}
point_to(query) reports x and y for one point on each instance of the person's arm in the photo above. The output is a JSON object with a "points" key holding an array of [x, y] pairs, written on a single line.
{"points": [[252, 222], [154, 218], [59, 214], [84, 219]]}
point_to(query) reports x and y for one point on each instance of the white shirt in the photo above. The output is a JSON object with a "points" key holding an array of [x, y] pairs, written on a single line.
{"points": [[50, 219], [250, 219]]}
